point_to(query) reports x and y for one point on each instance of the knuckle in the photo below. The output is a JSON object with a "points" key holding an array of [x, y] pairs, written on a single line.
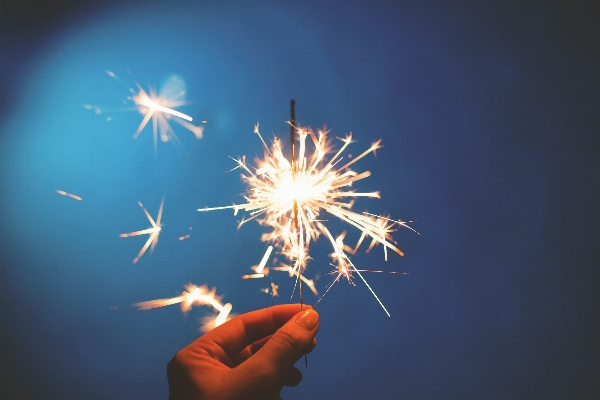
{"points": [[287, 340], [175, 366]]}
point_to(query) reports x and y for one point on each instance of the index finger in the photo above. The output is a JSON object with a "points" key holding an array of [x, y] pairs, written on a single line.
{"points": [[243, 330]]}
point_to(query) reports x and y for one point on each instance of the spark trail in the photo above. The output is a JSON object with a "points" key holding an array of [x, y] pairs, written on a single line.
{"points": [[194, 296]]}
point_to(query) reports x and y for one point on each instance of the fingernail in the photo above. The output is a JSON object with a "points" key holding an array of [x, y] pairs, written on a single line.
{"points": [[308, 319]]}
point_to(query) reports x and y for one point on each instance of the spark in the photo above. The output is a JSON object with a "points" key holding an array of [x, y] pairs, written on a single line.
{"points": [[61, 192], [194, 296], [153, 231], [273, 289], [261, 271], [185, 236], [279, 191], [160, 108]]}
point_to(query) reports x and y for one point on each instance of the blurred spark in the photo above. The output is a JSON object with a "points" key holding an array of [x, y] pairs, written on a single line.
{"points": [[61, 192], [185, 236], [158, 107], [153, 231], [194, 296], [273, 290], [280, 191]]}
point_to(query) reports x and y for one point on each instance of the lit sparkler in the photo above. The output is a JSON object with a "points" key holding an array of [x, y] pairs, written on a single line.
{"points": [[195, 296], [160, 108], [280, 191], [153, 231]]}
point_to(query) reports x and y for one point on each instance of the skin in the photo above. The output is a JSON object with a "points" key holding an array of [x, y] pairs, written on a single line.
{"points": [[251, 356]]}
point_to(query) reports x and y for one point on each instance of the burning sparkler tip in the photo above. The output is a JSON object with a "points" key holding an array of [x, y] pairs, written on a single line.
{"points": [[288, 196]]}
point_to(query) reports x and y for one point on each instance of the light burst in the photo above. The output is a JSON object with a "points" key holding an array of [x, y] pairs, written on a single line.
{"points": [[195, 296], [280, 192], [158, 107], [153, 231]]}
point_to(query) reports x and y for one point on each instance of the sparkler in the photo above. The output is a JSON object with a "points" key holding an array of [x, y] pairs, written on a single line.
{"points": [[153, 231], [160, 108], [281, 192], [195, 296]]}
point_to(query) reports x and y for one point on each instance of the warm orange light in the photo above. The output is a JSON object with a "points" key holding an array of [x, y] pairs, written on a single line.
{"points": [[278, 193], [194, 296]]}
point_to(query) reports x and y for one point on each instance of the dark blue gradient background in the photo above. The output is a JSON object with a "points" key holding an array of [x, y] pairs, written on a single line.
{"points": [[489, 115]]}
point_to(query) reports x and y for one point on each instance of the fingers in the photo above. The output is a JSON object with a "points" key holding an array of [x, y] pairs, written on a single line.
{"points": [[270, 367], [256, 346], [291, 341], [243, 330], [249, 351], [293, 378]]}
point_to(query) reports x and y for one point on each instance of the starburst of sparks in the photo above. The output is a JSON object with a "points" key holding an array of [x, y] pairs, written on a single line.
{"points": [[160, 108], [281, 193], [153, 231], [194, 296]]}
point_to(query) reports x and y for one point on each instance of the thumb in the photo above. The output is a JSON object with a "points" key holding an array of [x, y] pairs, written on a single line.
{"points": [[291, 341], [294, 339]]}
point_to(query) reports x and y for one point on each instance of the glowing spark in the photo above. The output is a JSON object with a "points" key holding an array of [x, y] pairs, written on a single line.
{"points": [[160, 108], [260, 267], [153, 231], [274, 292], [194, 296], [264, 260], [261, 271], [68, 195], [185, 236], [278, 192]]}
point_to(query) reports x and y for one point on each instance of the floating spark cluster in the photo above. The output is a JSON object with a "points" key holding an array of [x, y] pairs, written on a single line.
{"points": [[195, 296], [160, 108], [280, 192], [260, 271], [153, 231]]}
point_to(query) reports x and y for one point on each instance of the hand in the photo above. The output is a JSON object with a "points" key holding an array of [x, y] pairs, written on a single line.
{"points": [[251, 356]]}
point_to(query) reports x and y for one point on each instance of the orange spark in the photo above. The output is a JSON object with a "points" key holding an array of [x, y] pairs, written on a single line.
{"points": [[194, 296], [68, 195]]}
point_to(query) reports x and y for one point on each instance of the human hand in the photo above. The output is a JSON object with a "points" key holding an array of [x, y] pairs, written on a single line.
{"points": [[251, 356]]}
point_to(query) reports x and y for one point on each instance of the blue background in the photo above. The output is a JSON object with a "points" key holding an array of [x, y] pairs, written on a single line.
{"points": [[489, 117]]}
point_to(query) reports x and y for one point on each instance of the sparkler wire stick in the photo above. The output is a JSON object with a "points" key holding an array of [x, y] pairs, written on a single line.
{"points": [[293, 162]]}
